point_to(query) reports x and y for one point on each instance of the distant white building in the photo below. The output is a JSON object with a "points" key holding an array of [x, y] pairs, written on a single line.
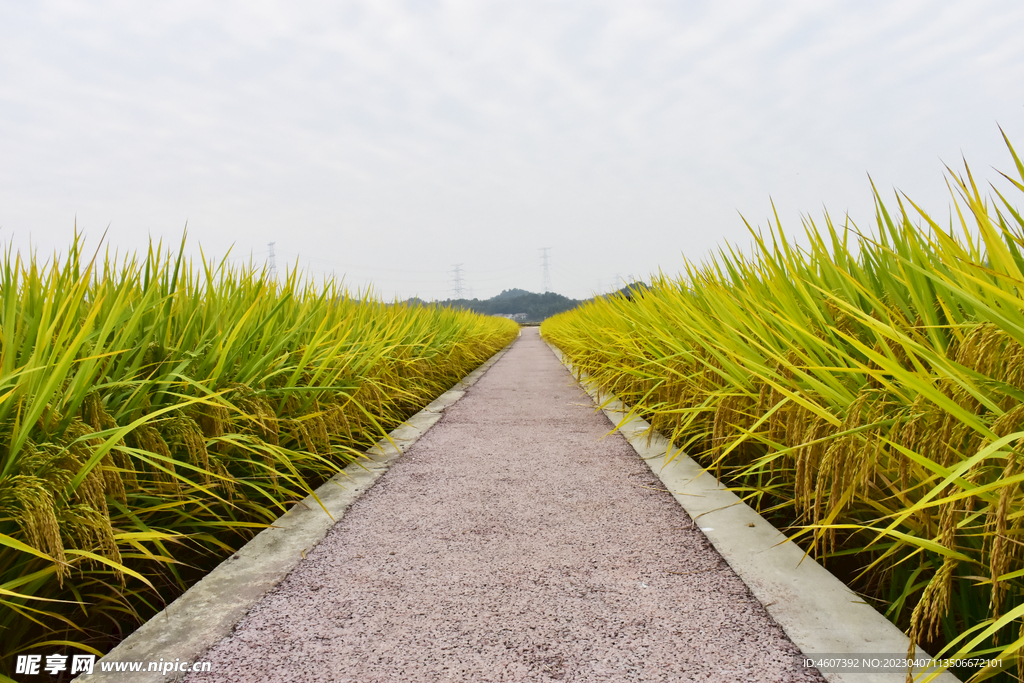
{"points": [[518, 317]]}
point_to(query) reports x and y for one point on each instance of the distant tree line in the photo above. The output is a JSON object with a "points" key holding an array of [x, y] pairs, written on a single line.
{"points": [[537, 307]]}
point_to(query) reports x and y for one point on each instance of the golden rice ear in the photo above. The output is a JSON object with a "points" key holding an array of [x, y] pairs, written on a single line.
{"points": [[213, 419], [926, 618], [1011, 421], [183, 433], [147, 439], [1002, 547], [90, 530], [94, 414], [113, 481], [122, 466], [254, 413], [28, 500]]}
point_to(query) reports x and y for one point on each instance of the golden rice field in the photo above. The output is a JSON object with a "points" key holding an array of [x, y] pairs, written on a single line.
{"points": [[865, 389], [157, 412]]}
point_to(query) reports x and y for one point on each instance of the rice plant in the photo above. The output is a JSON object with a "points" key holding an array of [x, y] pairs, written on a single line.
{"points": [[157, 412], [867, 390]]}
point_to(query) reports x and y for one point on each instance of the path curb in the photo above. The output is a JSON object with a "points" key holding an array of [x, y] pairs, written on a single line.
{"points": [[818, 612], [209, 610]]}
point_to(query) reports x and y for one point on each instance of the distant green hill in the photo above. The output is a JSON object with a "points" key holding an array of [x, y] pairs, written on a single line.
{"points": [[534, 307], [531, 306], [512, 294]]}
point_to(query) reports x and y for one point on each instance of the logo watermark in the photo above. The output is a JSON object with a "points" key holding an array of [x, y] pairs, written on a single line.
{"points": [[56, 664], [32, 665]]}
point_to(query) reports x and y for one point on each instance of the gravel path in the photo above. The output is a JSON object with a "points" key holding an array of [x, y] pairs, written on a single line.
{"points": [[512, 543]]}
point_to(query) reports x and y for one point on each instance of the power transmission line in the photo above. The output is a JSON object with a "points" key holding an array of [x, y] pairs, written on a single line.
{"points": [[457, 280], [271, 261]]}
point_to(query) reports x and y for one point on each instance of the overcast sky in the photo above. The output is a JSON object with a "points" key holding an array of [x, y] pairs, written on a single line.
{"points": [[388, 141]]}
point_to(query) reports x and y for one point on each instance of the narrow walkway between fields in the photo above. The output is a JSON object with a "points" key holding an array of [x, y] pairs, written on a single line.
{"points": [[512, 543]]}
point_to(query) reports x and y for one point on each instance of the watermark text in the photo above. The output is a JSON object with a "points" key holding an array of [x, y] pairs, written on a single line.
{"points": [[41, 665]]}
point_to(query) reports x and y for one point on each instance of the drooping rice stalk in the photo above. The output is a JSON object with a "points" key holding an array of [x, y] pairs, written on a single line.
{"points": [[866, 390], [156, 412]]}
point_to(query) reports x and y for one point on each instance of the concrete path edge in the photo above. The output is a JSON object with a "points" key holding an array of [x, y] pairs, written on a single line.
{"points": [[209, 610], [818, 612]]}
